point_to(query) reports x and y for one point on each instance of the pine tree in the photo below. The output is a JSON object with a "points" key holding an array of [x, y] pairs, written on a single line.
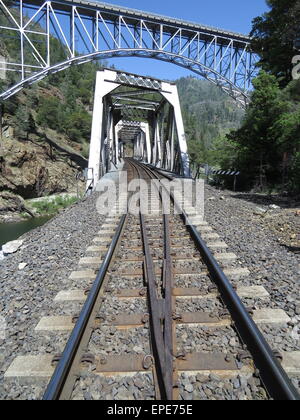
{"points": [[274, 35], [24, 122], [258, 154]]}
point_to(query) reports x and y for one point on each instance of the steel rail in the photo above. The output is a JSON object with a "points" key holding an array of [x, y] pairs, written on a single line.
{"points": [[59, 378], [168, 305], [167, 290], [171, 173], [272, 374], [155, 312], [155, 315]]}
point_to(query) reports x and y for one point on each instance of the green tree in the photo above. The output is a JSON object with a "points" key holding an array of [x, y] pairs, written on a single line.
{"points": [[286, 131], [23, 121], [50, 113], [274, 34], [78, 126], [257, 150]]}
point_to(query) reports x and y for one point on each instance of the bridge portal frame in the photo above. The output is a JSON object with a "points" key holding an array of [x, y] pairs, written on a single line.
{"points": [[153, 143]]}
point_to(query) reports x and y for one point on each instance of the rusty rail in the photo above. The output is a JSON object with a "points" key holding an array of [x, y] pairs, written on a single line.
{"points": [[160, 309], [56, 386]]}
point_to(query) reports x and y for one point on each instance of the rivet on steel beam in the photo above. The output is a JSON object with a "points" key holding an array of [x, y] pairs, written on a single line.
{"points": [[75, 318], [227, 359], [243, 355], [177, 317], [212, 288], [223, 314], [181, 355], [278, 355], [250, 311]]}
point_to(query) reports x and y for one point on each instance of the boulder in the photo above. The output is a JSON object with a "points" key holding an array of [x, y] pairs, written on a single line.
{"points": [[10, 202], [11, 207], [258, 211], [11, 247], [22, 266]]}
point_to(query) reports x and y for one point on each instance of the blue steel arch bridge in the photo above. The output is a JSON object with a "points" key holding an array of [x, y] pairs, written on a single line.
{"points": [[90, 30]]}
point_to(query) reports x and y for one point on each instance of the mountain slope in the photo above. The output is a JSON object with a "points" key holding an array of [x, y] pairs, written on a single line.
{"points": [[213, 111]]}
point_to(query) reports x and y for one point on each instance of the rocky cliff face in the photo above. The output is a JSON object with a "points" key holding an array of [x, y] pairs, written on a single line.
{"points": [[33, 169], [35, 160], [34, 165], [10, 206]]}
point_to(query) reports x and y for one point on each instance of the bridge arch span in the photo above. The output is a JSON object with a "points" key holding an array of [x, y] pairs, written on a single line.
{"points": [[88, 30], [216, 78]]}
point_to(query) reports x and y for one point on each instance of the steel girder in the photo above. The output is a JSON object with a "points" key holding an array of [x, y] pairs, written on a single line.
{"points": [[89, 30]]}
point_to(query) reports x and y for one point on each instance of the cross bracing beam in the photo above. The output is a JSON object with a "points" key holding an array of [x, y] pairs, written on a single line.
{"points": [[139, 81], [117, 99], [134, 113], [131, 93], [131, 123], [144, 107], [91, 30]]}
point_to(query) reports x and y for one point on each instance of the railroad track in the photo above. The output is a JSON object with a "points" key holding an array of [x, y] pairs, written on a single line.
{"points": [[159, 317]]}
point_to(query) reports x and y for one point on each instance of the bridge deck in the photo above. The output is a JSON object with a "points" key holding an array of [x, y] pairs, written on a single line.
{"points": [[114, 11]]}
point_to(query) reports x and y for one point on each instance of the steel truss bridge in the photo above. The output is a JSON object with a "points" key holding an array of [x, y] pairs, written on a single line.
{"points": [[141, 112], [90, 30]]}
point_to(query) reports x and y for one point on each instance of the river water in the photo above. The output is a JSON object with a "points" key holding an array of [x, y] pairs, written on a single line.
{"points": [[12, 231]]}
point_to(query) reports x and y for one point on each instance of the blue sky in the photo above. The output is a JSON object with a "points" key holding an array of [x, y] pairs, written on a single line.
{"points": [[234, 15]]}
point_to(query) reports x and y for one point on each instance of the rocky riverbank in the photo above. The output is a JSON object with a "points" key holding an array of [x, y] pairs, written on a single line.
{"points": [[14, 209]]}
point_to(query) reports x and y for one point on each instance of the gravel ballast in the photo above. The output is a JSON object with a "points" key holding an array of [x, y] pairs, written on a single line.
{"points": [[247, 234], [52, 252], [258, 237]]}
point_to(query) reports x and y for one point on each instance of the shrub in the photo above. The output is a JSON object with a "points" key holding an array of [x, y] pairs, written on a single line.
{"points": [[48, 206]]}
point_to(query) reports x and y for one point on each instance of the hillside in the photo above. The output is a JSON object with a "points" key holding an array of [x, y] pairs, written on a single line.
{"points": [[214, 110], [44, 140], [45, 136], [209, 114]]}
